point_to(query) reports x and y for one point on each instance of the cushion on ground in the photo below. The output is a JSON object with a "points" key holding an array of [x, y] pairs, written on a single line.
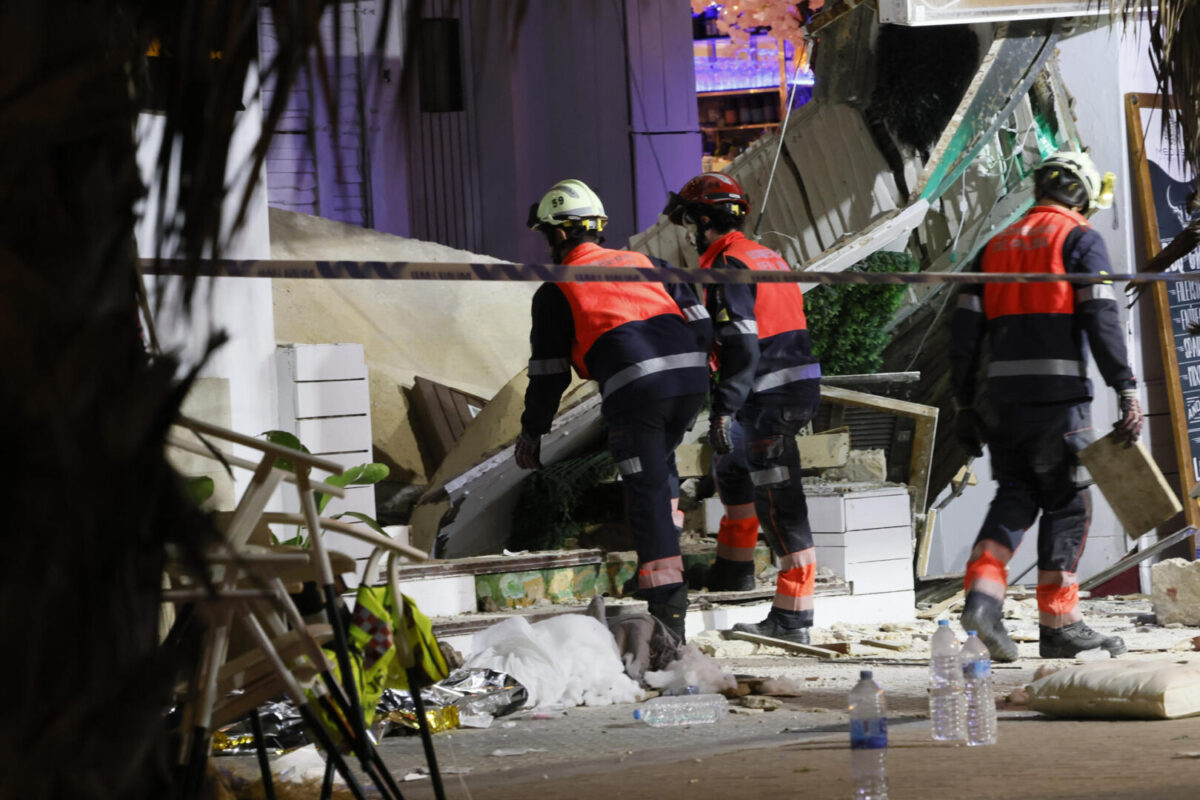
{"points": [[1119, 690]]}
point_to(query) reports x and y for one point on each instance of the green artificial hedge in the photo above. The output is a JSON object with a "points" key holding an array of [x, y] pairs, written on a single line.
{"points": [[847, 322]]}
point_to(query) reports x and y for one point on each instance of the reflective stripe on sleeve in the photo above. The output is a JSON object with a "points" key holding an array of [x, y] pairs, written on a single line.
{"points": [[548, 366], [1095, 291], [971, 302], [773, 380], [651, 366], [1038, 366], [741, 327], [694, 313]]}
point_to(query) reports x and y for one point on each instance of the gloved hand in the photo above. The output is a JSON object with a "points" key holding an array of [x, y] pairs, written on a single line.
{"points": [[970, 431], [720, 434], [1129, 426], [528, 451]]}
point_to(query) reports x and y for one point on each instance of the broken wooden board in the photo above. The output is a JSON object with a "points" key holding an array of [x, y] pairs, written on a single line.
{"points": [[783, 644], [885, 644], [1131, 483], [935, 611], [860, 649], [925, 418]]}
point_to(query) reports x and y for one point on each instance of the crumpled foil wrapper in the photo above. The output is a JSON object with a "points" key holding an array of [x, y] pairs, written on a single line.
{"points": [[479, 691], [283, 729], [398, 714], [469, 692]]}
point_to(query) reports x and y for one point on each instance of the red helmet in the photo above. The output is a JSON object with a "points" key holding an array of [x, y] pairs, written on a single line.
{"points": [[713, 189]]}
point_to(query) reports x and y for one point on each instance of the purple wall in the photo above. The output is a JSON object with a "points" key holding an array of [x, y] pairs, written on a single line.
{"points": [[603, 92]]}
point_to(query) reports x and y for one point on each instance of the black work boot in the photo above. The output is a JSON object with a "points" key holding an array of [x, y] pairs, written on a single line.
{"points": [[730, 576], [1071, 640], [774, 628], [982, 614], [672, 611]]}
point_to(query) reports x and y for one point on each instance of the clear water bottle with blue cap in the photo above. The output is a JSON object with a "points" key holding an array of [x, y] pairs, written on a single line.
{"points": [[685, 709], [868, 739], [947, 695], [977, 677]]}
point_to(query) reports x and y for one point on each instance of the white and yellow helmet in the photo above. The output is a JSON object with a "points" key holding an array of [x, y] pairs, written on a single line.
{"points": [[569, 204], [1072, 178]]}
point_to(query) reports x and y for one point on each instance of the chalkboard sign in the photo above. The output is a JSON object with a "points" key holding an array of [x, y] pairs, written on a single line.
{"points": [[1163, 187]]}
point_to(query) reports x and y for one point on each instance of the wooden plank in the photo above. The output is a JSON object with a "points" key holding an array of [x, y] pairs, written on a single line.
{"points": [[494, 565], [1131, 483], [935, 611], [802, 649], [1144, 191], [920, 464], [925, 543], [434, 429]]}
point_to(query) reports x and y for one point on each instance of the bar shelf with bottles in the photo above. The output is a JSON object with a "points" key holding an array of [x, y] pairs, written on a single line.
{"points": [[742, 90]]}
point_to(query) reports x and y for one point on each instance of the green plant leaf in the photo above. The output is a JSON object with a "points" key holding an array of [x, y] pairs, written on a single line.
{"points": [[370, 521], [199, 488], [349, 475], [284, 439], [358, 475]]}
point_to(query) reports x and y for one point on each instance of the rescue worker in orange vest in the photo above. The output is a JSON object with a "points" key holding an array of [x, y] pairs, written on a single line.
{"points": [[649, 356], [1037, 412], [767, 388]]}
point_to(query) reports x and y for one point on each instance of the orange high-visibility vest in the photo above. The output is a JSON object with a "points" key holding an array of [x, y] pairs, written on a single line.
{"points": [[1033, 243], [778, 307], [597, 308]]}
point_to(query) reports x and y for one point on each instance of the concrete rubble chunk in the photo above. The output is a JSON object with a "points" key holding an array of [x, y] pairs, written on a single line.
{"points": [[861, 466], [761, 701], [1176, 591]]}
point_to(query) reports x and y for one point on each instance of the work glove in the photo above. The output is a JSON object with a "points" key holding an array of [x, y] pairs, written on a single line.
{"points": [[720, 434], [528, 451], [970, 432], [1129, 426]]}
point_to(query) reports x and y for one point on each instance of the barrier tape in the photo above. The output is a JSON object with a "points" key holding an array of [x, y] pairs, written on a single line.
{"points": [[560, 273]]}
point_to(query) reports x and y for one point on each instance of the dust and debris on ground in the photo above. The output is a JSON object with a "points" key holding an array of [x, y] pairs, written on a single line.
{"points": [[781, 698]]}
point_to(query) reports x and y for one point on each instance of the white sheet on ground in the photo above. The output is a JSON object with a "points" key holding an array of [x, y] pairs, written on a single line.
{"points": [[568, 660]]}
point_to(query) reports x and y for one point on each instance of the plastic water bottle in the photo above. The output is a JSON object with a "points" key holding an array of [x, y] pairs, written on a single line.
{"points": [[868, 739], [977, 675], [947, 696], [686, 709]]}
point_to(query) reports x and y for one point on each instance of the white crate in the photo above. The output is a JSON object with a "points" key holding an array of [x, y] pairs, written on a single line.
{"points": [[325, 362], [336, 434], [855, 511], [838, 550], [325, 401], [875, 577], [333, 398]]}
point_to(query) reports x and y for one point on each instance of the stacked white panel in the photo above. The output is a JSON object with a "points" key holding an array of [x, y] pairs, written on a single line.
{"points": [[324, 399], [865, 537]]}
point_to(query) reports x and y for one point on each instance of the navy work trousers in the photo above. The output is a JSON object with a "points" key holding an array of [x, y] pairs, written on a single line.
{"points": [[642, 442]]}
